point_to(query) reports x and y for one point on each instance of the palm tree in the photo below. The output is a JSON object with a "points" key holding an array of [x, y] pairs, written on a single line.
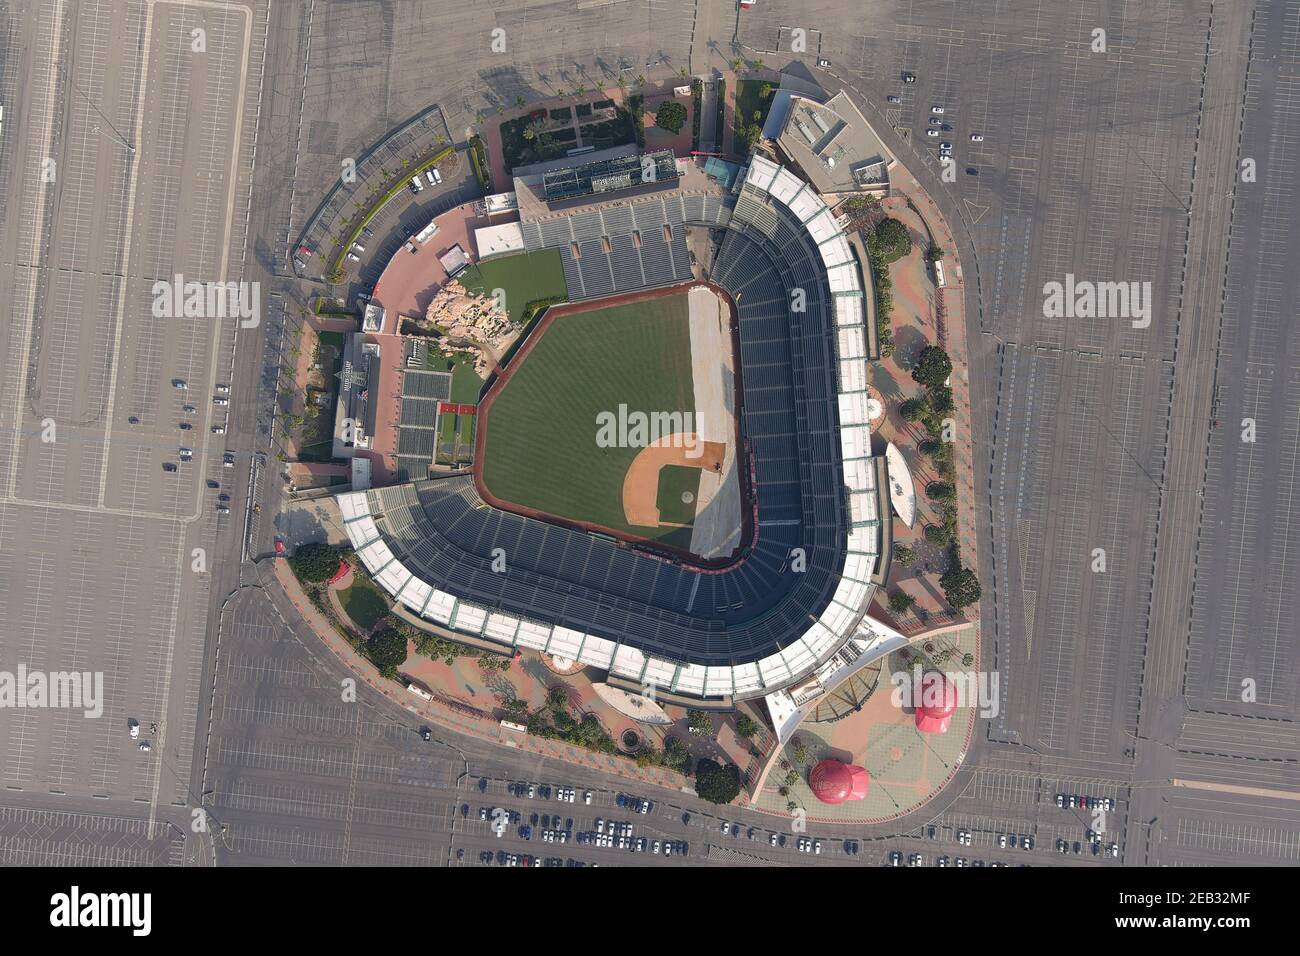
{"points": [[758, 66], [682, 73], [622, 83], [520, 101], [736, 64], [640, 79]]}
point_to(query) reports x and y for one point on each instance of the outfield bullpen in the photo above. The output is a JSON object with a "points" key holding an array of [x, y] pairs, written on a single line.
{"points": [[538, 451]]}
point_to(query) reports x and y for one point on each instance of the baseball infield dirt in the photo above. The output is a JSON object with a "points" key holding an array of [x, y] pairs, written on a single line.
{"points": [[641, 483]]}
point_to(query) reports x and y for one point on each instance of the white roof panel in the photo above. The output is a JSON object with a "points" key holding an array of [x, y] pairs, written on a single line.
{"points": [[628, 662], [848, 310], [440, 607], [501, 627], [393, 578], [853, 375], [658, 672], [746, 677], [862, 507], [761, 172], [785, 186], [353, 505], [836, 252], [690, 679], [416, 595], [565, 642], [596, 651], [798, 657], [822, 226], [857, 474], [717, 683], [774, 669], [842, 279], [851, 344], [470, 618], [375, 556], [853, 408], [855, 441], [859, 567], [837, 617], [850, 593], [806, 205], [534, 635]]}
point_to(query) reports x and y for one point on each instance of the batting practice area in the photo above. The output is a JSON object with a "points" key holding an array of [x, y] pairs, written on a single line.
{"points": [[618, 416]]}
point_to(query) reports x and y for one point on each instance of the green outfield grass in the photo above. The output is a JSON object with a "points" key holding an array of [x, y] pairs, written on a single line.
{"points": [[675, 481], [540, 449], [529, 277]]}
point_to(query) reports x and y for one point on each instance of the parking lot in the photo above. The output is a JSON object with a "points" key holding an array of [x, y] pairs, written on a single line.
{"points": [[138, 155]]}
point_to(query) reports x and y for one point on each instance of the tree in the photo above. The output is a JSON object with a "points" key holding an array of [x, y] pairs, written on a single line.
{"points": [[387, 650], [699, 723], [938, 535], [934, 253], [940, 491], [676, 756], [930, 446], [932, 367], [716, 783], [671, 116], [892, 239], [745, 725], [904, 555], [557, 698], [493, 662], [939, 398], [800, 752], [899, 602], [314, 563], [912, 410], [960, 587], [967, 659]]}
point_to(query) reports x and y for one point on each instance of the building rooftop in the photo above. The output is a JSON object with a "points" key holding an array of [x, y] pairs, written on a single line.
{"points": [[835, 146]]}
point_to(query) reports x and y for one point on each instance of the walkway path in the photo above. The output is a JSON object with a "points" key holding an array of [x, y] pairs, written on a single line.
{"points": [[459, 718]]}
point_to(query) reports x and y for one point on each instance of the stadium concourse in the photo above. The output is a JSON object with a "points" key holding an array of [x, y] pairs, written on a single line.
{"points": [[790, 613]]}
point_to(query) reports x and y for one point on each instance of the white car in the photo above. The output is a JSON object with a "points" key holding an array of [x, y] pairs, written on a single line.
{"points": [[221, 401], [133, 728], [772, 841], [931, 132], [947, 146], [655, 848], [817, 846], [586, 798], [976, 137], [936, 110], [723, 827], [223, 389], [218, 429], [144, 745]]}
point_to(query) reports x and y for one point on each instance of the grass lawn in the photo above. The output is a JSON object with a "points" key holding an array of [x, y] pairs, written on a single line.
{"points": [[526, 278], [541, 447], [364, 603], [675, 481], [465, 383], [748, 101]]}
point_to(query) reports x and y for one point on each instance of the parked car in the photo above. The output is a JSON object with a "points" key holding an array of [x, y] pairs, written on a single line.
{"points": [[133, 728], [893, 99], [936, 110], [976, 137], [909, 77], [169, 466]]}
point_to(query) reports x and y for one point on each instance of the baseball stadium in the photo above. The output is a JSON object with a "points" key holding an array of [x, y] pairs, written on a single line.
{"points": [[728, 543]]}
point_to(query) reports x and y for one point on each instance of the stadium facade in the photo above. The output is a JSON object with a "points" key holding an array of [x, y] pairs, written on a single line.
{"points": [[792, 610]]}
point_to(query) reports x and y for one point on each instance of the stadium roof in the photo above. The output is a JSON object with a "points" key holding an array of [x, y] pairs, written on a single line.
{"points": [[740, 631]]}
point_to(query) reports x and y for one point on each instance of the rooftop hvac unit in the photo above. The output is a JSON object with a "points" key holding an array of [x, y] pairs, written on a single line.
{"points": [[806, 132], [821, 123]]}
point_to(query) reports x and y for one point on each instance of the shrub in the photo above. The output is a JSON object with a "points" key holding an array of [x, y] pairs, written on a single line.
{"points": [[745, 725], [930, 447], [892, 239], [900, 602], [941, 491], [960, 587], [387, 650], [904, 555], [938, 535], [932, 367], [315, 563], [716, 783], [671, 116], [939, 398], [912, 410]]}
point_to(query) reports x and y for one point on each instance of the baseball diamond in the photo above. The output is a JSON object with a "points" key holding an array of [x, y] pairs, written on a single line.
{"points": [[604, 397]]}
